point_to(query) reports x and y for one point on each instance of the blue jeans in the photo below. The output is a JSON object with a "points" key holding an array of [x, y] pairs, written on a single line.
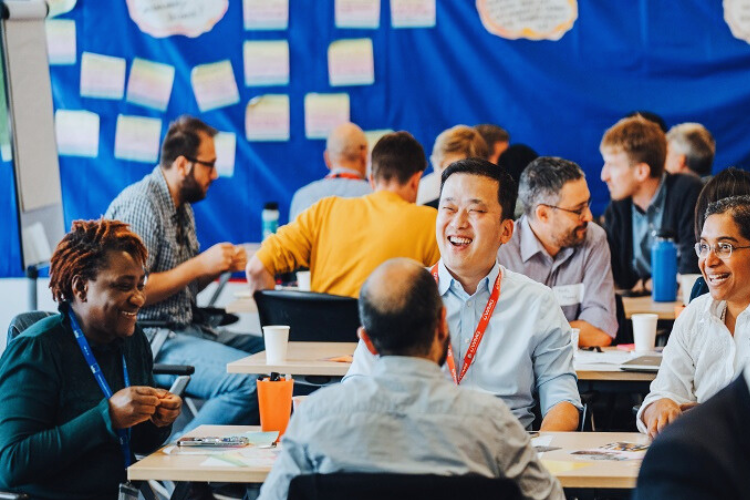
{"points": [[230, 399]]}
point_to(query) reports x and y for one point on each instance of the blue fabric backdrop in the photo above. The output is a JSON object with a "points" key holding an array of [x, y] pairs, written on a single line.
{"points": [[674, 57]]}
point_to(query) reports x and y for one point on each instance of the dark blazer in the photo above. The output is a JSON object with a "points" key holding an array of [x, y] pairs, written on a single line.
{"points": [[703, 455], [679, 209]]}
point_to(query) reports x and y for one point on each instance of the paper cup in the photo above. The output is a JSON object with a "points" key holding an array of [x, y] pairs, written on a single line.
{"points": [[276, 339], [686, 285], [575, 334], [275, 404], [303, 280], [644, 331]]}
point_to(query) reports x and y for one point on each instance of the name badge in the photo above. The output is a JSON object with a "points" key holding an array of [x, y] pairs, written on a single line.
{"points": [[569, 295]]}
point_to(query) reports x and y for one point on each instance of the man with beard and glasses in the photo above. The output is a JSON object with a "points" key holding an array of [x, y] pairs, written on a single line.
{"points": [[158, 210], [554, 245], [406, 418]]}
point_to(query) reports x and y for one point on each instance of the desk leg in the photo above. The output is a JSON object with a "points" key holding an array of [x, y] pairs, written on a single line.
{"points": [[181, 490]]}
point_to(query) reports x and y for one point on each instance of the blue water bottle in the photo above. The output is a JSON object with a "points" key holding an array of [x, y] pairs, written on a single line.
{"points": [[664, 266]]}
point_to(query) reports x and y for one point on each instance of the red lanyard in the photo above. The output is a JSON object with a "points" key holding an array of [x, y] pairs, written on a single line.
{"points": [[344, 175], [478, 333]]}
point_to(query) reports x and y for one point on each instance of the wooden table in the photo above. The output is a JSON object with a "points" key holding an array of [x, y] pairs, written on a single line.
{"points": [[596, 473], [641, 305]]}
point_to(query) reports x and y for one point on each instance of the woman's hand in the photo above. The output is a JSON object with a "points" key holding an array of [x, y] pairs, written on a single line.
{"points": [[661, 413]]}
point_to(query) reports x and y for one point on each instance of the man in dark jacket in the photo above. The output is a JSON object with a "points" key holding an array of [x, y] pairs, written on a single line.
{"points": [[645, 200]]}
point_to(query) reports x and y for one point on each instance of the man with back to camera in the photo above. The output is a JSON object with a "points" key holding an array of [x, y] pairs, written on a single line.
{"points": [[342, 240], [158, 209], [497, 139], [524, 348], [644, 199], [690, 150], [406, 418], [555, 245], [346, 158]]}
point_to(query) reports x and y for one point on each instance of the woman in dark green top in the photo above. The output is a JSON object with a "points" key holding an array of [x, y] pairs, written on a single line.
{"points": [[59, 432]]}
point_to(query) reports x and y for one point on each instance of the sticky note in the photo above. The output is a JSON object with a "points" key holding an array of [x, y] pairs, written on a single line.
{"points": [[214, 85], [226, 147], [357, 14], [265, 14], [413, 13], [77, 133], [61, 41], [350, 62], [137, 138], [150, 84], [267, 118], [102, 77], [324, 112], [266, 63]]}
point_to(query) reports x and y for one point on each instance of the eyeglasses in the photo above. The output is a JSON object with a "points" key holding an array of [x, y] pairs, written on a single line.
{"points": [[721, 250], [209, 164], [581, 212]]}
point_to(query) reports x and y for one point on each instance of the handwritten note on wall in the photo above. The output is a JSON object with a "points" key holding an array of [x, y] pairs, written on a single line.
{"points": [[350, 62], [265, 14], [413, 13], [102, 77], [191, 18], [267, 118], [266, 63], [324, 112], [530, 19], [77, 133], [150, 84], [357, 14], [137, 138], [226, 147], [214, 85], [61, 41]]}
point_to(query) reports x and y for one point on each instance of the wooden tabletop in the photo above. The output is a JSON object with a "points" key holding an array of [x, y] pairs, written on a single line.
{"points": [[566, 467], [641, 305]]}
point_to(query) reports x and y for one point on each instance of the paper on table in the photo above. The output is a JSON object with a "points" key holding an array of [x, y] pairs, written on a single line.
{"points": [[413, 13], [77, 133], [214, 85], [350, 62], [102, 77], [266, 14], [608, 357], [150, 84], [246, 457], [267, 118], [61, 41], [357, 13], [266, 63], [558, 466], [324, 112], [137, 138], [226, 146]]}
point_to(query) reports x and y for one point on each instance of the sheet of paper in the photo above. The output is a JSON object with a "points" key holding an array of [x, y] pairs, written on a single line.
{"points": [[137, 138], [324, 112], [357, 14], [265, 14], [266, 63], [226, 147], [58, 7], [350, 62], [267, 118], [214, 85], [559, 466], [61, 41], [191, 18], [102, 77], [150, 84], [530, 19], [77, 133], [613, 357], [413, 13], [246, 457]]}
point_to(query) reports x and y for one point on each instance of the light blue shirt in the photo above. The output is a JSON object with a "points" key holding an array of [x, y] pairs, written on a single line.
{"points": [[307, 196], [526, 349], [644, 225], [407, 418]]}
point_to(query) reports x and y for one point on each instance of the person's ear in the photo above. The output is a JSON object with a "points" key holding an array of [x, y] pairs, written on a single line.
{"points": [[80, 288], [414, 181], [362, 334], [642, 171], [506, 230], [182, 165], [541, 212], [327, 159]]}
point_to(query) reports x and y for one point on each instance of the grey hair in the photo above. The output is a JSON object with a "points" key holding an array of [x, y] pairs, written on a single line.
{"points": [[738, 207], [542, 181], [697, 144]]}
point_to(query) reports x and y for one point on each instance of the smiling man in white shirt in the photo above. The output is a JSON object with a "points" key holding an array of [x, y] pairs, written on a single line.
{"points": [[508, 335]]}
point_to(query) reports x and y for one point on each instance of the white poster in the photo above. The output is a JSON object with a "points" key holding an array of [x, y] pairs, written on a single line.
{"points": [[530, 19], [163, 18], [357, 14], [324, 112], [265, 14], [214, 85], [267, 118], [137, 138], [413, 13], [737, 16], [350, 62], [102, 77], [266, 62]]}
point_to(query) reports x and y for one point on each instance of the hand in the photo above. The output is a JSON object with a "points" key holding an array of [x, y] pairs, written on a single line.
{"points": [[217, 259], [258, 277], [168, 410], [660, 414], [239, 261], [133, 405]]}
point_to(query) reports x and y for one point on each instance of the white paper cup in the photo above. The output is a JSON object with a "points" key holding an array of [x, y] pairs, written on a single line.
{"points": [[575, 334], [303, 280], [644, 331], [686, 285], [276, 339]]}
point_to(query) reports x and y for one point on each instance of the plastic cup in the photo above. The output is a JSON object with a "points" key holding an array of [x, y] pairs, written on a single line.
{"points": [[275, 404], [303, 280], [686, 285], [575, 334], [276, 339], [644, 331]]}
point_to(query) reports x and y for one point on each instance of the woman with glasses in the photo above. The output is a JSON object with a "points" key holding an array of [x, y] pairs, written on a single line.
{"points": [[710, 341]]}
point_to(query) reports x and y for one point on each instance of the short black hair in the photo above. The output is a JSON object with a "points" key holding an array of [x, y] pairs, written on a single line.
{"points": [[736, 206], [399, 156], [516, 158], [729, 182], [507, 191], [183, 139], [402, 321]]}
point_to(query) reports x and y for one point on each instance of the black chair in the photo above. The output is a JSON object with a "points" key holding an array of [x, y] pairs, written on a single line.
{"points": [[625, 327], [310, 316], [365, 486]]}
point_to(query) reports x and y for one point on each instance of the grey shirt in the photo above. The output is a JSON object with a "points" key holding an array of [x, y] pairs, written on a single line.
{"points": [[407, 418], [307, 196], [644, 224], [580, 277]]}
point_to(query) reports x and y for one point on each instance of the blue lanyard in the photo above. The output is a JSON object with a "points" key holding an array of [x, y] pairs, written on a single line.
{"points": [[123, 434]]}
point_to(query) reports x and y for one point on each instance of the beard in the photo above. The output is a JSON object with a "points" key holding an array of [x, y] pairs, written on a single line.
{"points": [[444, 356], [190, 190], [572, 238]]}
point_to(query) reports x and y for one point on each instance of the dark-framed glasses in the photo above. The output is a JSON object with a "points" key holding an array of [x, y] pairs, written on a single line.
{"points": [[579, 212], [721, 250], [209, 164]]}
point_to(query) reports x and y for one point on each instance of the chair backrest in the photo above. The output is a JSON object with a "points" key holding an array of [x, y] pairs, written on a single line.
{"points": [[625, 327], [23, 321], [311, 316], [366, 486]]}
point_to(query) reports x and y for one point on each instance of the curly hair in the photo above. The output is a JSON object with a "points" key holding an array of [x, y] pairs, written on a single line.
{"points": [[83, 252]]}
